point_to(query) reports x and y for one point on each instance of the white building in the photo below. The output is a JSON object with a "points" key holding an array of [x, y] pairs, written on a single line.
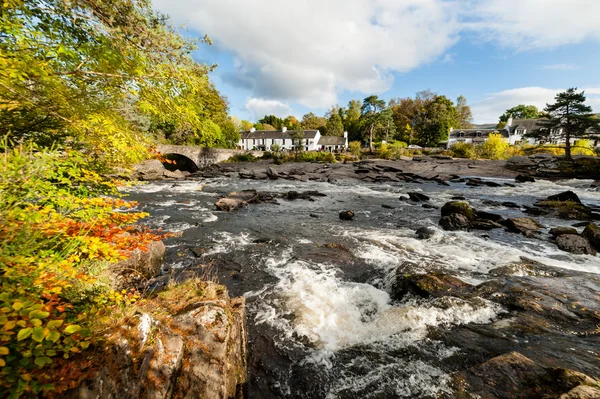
{"points": [[312, 141]]}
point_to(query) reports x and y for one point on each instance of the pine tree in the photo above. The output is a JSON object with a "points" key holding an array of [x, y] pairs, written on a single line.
{"points": [[570, 114]]}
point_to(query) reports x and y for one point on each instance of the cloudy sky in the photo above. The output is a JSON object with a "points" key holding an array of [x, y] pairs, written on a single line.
{"points": [[294, 56]]}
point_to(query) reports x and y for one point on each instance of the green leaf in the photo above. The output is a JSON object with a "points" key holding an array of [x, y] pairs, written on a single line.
{"points": [[24, 333], [73, 328], [53, 336], [54, 323], [38, 334], [17, 305], [42, 360]]}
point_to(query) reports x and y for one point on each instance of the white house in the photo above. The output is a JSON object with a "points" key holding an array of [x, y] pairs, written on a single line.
{"points": [[265, 139]]}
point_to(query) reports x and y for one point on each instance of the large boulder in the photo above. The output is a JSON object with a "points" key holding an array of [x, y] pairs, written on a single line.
{"points": [[592, 233], [568, 210], [188, 342], [565, 196], [524, 179], [236, 200], [151, 169], [424, 233], [455, 221], [574, 244], [459, 207], [561, 230], [140, 265], [272, 173], [427, 285], [418, 197], [526, 226]]}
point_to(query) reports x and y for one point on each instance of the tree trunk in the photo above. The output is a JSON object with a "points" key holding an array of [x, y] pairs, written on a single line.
{"points": [[371, 139], [568, 145]]}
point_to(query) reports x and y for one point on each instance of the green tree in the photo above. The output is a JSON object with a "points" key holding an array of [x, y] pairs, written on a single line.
{"points": [[291, 122], [404, 112], [464, 116], [569, 113], [334, 126], [351, 119], [434, 120], [371, 117], [297, 140], [311, 121], [272, 120], [521, 111], [245, 125]]}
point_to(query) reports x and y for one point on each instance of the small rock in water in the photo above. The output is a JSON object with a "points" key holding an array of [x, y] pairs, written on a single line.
{"points": [[197, 251], [418, 197], [562, 230], [424, 233], [458, 198], [404, 198], [455, 222], [509, 204], [574, 244], [592, 233], [385, 206], [429, 206], [565, 196], [526, 226], [312, 215], [346, 215], [524, 179]]}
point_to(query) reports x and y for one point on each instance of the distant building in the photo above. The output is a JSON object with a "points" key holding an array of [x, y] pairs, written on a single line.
{"points": [[469, 136], [312, 141]]}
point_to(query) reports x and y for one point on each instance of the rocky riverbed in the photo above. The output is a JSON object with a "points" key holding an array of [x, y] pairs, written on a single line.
{"points": [[388, 302]]}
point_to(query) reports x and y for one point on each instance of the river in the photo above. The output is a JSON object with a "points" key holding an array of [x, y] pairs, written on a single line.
{"points": [[321, 320]]}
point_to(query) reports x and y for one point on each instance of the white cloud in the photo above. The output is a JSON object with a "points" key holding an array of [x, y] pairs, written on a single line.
{"points": [[259, 107], [311, 50], [561, 67], [494, 105]]}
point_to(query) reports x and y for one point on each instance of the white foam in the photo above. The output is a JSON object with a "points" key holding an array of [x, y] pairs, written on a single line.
{"points": [[209, 217], [225, 242]]}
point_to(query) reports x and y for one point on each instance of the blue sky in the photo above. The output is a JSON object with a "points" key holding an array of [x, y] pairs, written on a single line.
{"points": [[293, 57]]}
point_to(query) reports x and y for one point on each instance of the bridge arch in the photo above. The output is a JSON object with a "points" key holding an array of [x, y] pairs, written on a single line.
{"points": [[174, 161]]}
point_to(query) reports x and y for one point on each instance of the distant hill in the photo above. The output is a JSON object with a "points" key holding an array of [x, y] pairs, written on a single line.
{"points": [[484, 126]]}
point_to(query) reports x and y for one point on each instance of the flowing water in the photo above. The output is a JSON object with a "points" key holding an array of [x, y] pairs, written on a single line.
{"points": [[320, 318]]}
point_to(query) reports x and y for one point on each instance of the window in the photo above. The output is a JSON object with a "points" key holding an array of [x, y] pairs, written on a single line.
{"points": [[253, 141], [283, 142], [461, 135], [478, 134]]}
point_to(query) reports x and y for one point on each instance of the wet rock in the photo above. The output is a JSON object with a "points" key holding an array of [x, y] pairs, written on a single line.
{"points": [[479, 224], [430, 206], [312, 215], [404, 198], [418, 197], [458, 198], [385, 206], [292, 195], [526, 226], [459, 207], [524, 179], [526, 267], [582, 392], [489, 216], [595, 184], [427, 285], [510, 204], [151, 169], [515, 376], [568, 210], [198, 251], [272, 173], [562, 230], [581, 224], [574, 244], [346, 215], [236, 200], [424, 233], [533, 211], [592, 234], [565, 196], [455, 222]]}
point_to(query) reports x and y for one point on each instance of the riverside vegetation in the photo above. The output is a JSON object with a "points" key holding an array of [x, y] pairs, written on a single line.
{"points": [[85, 86]]}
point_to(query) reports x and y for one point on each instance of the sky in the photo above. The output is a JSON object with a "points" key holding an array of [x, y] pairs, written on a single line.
{"points": [[290, 57]]}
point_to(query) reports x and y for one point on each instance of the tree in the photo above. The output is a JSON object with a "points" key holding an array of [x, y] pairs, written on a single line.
{"points": [[371, 117], [297, 139], [291, 122], [246, 125], [464, 117], [403, 114], [570, 114], [434, 119], [266, 126], [311, 121], [272, 120], [351, 119], [334, 126], [521, 111], [495, 147]]}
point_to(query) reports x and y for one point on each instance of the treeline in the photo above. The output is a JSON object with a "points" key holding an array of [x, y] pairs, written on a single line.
{"points": [[424, 120], [106, 78]]}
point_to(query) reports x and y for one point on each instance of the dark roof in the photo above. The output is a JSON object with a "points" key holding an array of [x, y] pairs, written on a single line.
{"points": [[526, 124], [332, 140], [276, 134]]}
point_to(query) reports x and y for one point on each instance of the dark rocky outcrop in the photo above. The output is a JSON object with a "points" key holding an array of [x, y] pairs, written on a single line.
{"points": [[239, 199], [138, 267], [565, 206], [459, 207], [346, 215], [435, 284], [458, 215], [543, 165], [153, 169], [424, 233], [565, 196], [574, 244]]}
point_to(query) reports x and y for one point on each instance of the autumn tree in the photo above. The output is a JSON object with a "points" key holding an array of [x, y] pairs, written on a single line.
{"points": [[403, 114], [291, 122], [311, 121], [245, 125], [569, 113], [272, 120]]}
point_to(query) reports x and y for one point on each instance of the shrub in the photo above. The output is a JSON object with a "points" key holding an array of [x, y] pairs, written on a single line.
{"points": [[267, 155], [495, 147], [583, 147], [56, 235], [462, 150], [355, 147], [247, 157]]}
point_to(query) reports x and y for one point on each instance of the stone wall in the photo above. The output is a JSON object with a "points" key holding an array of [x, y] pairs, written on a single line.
{"points": [[203, 156]]}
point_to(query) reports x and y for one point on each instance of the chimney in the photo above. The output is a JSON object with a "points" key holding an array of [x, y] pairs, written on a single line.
{"points": [[345, 135], [252, 129], [284, 129], [509, 121]]}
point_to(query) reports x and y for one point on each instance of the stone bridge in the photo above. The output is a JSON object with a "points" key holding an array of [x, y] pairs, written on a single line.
{"points": [[198, 157]]}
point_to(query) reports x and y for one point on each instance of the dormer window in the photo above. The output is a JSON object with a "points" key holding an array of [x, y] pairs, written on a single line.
{"points": [[478, 134], [461, 135]]}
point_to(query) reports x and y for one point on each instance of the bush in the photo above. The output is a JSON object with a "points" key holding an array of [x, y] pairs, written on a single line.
{"points": [[355, 147], [463, 150], [56, 236], [583, 147], [247, 157], [267, 155], [495, 147]]}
